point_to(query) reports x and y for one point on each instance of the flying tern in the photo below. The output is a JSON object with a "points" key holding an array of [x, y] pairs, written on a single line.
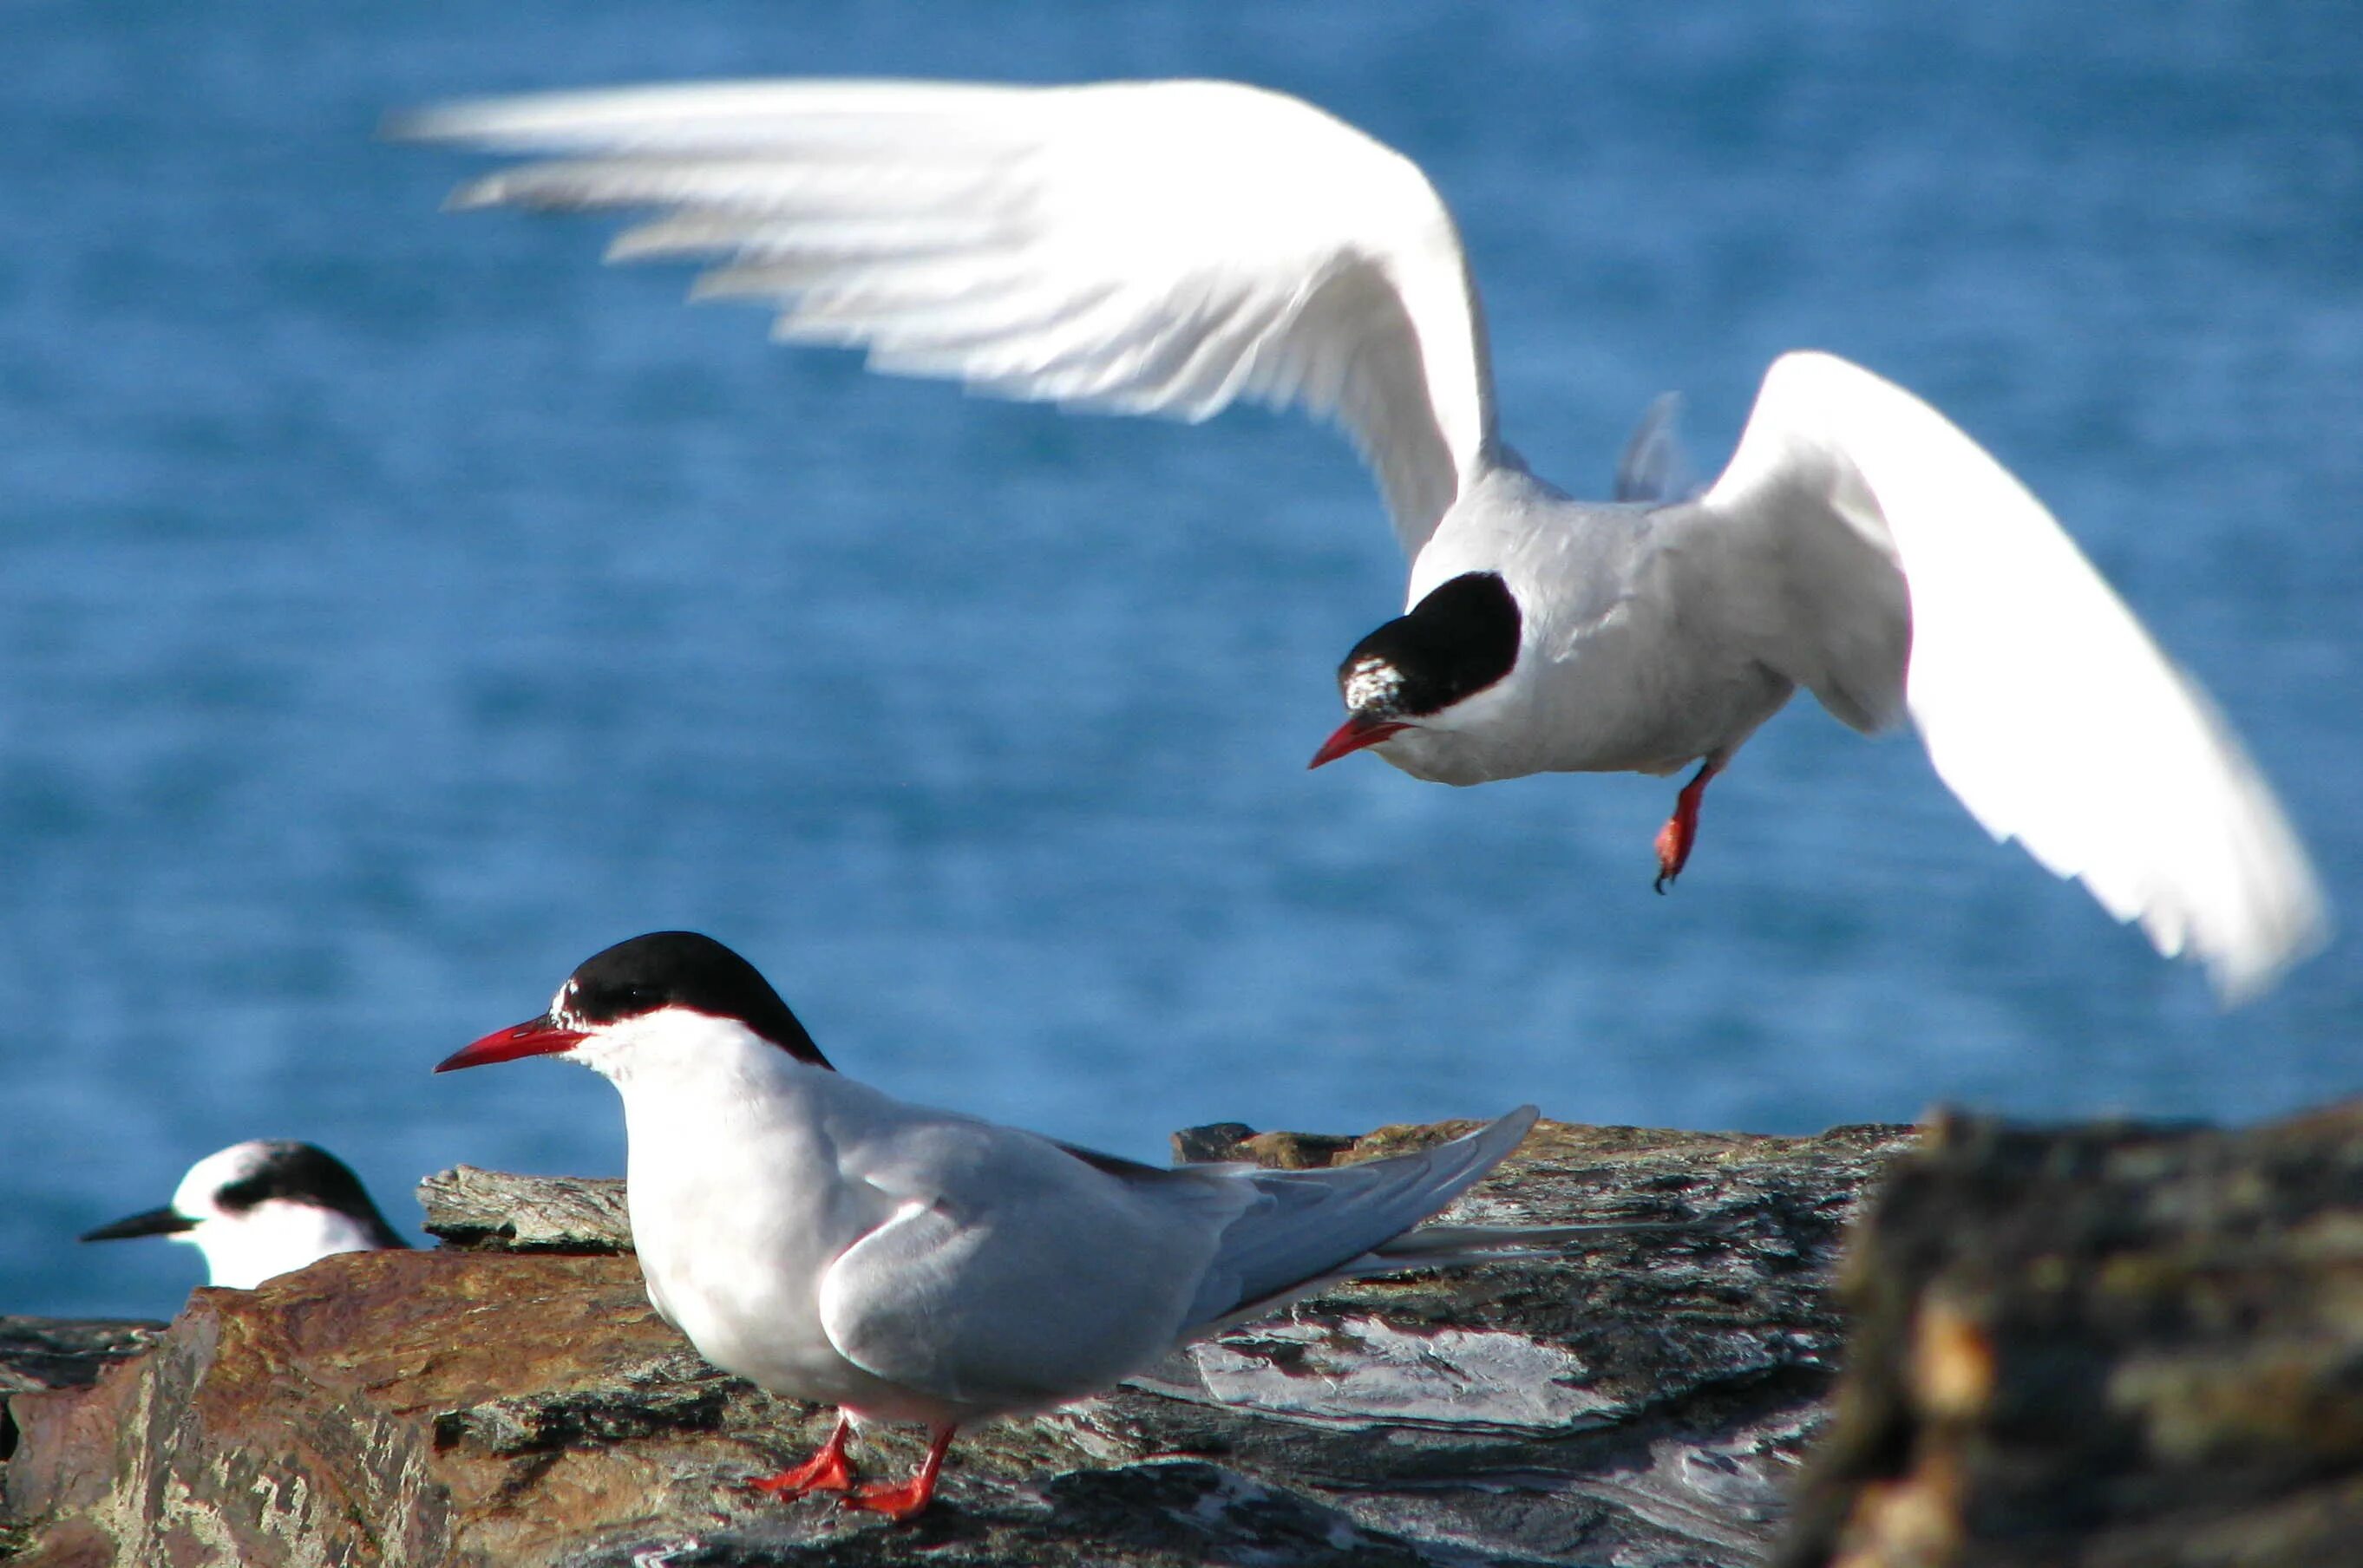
{"points": [[1172, 247]]}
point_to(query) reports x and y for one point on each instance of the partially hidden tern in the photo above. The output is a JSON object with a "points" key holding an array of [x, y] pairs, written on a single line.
{"points": [[262, 1208]]}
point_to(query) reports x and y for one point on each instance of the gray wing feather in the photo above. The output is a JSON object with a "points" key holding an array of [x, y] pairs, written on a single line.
{"points": [[1309, 1228]]}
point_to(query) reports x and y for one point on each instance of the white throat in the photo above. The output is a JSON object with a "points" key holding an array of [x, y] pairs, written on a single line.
{"points": [[276, 1236], [679, 1050]]}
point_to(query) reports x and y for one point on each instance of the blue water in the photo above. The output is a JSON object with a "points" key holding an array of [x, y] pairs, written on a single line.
{"points": [[396, 607]]}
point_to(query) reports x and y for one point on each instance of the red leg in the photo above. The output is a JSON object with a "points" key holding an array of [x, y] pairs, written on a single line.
{"points": [[828, 1470], [899, 1503], [1680, 832]]}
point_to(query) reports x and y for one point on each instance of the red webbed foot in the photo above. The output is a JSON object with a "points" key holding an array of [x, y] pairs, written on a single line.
{"points": [[1681, 833], [907, 1500], [828, 1470]]}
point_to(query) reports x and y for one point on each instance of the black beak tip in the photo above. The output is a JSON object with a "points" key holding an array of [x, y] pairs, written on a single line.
{"points": [[153, 1222]]}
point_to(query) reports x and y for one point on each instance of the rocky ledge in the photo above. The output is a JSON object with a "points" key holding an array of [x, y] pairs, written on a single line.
{"points": [[2096, 1347], [511, 1399], [2103, 1347]]}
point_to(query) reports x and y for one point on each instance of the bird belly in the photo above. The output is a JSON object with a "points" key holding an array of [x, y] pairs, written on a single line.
{"points": [[1614, 672], [733, 1253], [1602, 709], [744, 1309], [1671, 725]]}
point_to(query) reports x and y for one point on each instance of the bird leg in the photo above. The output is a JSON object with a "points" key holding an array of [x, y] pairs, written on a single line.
{"points": [[899, 1503], [1680, 832], [828, 1470]]}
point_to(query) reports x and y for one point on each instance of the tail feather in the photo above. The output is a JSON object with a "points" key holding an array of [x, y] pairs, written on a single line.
{"points": [[1307, 1228], [1431, 1244], [1653, 468]]}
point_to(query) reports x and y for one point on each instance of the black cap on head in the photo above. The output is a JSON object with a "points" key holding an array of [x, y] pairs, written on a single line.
{"points": [[1458, 640], [682, 968], [305, 1173]]}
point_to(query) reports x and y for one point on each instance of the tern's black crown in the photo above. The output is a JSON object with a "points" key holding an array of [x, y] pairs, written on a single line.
{"points": [[1460, 639], [682, 968], [305, 1173]]}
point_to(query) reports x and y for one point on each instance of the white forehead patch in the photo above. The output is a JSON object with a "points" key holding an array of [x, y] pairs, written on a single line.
{"points": [[1373, 682], [224, 1168]]}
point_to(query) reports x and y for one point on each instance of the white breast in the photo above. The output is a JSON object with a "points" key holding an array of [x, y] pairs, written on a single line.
{"points": [[737, 1209], [1610, 676]]}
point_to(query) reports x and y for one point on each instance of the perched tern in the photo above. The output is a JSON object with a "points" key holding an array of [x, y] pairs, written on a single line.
{"points": [[834, 1244], [262, 1208], [1171, 247]]}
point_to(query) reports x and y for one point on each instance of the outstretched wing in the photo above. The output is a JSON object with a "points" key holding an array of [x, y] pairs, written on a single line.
{"points": [[1141, 247], [1887, 563]]}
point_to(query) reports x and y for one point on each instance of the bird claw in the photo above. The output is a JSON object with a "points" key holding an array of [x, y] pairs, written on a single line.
{"points": [[1680, 832], [897, 1502], [905, 1501], [805, 1479], [1673, 852], [828, 1470]]}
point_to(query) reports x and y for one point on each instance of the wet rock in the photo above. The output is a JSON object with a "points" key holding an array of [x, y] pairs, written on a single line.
{"points": [[2112, 1345], [1641, 1399]]}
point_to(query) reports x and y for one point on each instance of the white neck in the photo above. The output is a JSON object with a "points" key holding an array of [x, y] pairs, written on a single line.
{"points": [[273, 1237], [695, 1088], [675, 1052]]}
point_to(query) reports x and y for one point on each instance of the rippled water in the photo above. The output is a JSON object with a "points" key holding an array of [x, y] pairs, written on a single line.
{"points": [[396, 607]]}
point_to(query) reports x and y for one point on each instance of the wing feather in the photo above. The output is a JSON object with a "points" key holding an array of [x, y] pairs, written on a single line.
{"points": [[1891, 564], [1312, 1228], [1160, 247]]}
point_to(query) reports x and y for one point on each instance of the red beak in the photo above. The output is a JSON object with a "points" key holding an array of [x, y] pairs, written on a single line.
{"points": [[535, 1037], [1355, 733]]}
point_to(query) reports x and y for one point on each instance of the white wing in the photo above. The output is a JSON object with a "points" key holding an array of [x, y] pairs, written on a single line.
{"points": [[1147, 247], [2045, 705]]}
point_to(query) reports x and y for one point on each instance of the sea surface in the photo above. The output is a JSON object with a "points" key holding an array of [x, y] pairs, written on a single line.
{"points": [[397, 606]]}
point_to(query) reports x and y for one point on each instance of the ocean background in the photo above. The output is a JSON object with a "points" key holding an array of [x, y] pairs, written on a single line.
{"points": [[396, 607]]}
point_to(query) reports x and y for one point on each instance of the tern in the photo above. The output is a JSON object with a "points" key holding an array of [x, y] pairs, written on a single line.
{"points": [[1172, 247], [834, 1244], [262, 1208]]}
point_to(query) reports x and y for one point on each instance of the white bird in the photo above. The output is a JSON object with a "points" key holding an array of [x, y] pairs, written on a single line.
{"points": [[262, 1208], [1170, 246], [834, 1244]]}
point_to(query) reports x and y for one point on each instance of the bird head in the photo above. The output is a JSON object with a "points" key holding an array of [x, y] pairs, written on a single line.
{"points": [[1458, 640], [260, 1209], [665, 991]]}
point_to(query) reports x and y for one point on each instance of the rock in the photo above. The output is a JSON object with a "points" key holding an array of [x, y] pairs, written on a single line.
{"points": [[470, 1206], [1642, 1399], [2102, 1345], [52, 1352], [38, 1354]]}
